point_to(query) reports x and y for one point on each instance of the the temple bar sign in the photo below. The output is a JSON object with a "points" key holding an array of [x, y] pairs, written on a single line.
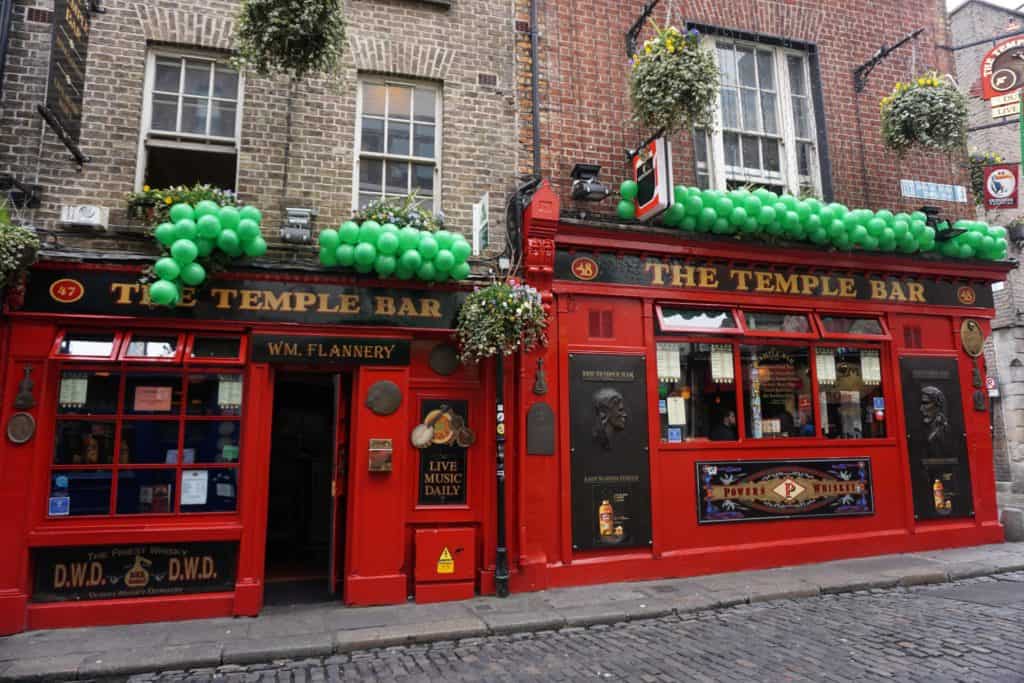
{"points": [[678, 274]]}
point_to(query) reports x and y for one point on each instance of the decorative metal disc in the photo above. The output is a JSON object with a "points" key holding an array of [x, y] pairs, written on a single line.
{"points": [[21, 427], [444, 359], [384, 397], [972, 338]]}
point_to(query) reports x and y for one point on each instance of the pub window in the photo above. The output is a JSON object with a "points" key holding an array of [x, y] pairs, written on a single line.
{"points": [[398, 142], [191, 119], [850, 393], [216, 348], [840, 326], [696, 392], [672, 319], [777, 391], [87, 344], [130, 439], [781, 323]]}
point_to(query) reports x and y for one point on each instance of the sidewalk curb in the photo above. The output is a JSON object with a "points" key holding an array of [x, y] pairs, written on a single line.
{"points": [[119, 664]]}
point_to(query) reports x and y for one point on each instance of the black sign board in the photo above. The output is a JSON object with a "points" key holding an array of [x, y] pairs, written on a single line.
{"points": [[129, 571], [939, 472], [118, 293], [66, 84], [443, 463], [284, 348], [778, 489], [678, 274], [611, 488]]}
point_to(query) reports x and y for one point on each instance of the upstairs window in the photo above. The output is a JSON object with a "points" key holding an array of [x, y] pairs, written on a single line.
{"points": [[190, 122]]}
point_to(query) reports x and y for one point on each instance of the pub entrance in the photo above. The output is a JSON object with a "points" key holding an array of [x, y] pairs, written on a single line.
{"points": [[306, 506]]}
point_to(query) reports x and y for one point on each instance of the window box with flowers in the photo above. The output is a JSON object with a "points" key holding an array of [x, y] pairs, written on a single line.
{"points": [[152, 206], [928, 112]]}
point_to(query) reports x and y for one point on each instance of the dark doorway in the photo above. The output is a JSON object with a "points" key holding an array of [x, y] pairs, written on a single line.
{"points": [[299, 523]]}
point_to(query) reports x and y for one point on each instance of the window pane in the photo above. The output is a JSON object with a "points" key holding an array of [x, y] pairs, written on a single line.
{"points": [[83, 443], [222, 119], [398, 138], [399, 102], [766, 70], [777, 322], [398, 178], [727, 64], [225, 83], [152, 394], [797, 82], [168, 166], [748, 100], [165, 112], [149, 442], [425, 105], [88, 393], [197, 78], [700, 148], [78, 344], [168, 75], [745, 67], [777, 391], [209, 490], [216, 347], [144, 491], [88, 491], [842, 325], [372, 135], [848, 396], [768, 117], [374, 99], [193, 115], [423, 142], [801, 117], [730, 108], [701, 404], [152, 347], [366, 199], [423, 178], [211, 441], [697, 319], [732, 149], [215, 394], [770, 150], [371, 172], [751, 152], [804, 158]]}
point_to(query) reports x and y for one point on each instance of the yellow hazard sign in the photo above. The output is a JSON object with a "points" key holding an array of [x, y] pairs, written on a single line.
{"points": [[445, 563]]}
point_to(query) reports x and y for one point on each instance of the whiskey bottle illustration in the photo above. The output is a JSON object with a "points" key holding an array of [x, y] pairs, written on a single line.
{"points": [[138, 576], [939, 496], [605, 518]]}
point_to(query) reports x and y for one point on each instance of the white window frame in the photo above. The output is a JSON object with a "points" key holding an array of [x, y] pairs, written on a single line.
{"points": [[787, 128], [358, 154], [148, 137]]}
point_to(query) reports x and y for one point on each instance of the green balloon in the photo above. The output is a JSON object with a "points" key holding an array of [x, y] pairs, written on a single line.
{"points": [[766, 215], [803, 211], [461, 251], [675, 215], [369, 231], [722, 227], [842, 241], [724, 207], [248, 230], [208, 226], [738, 216], [750, 225], [706, 219], [403, 273], [229, 218], [184, 251], [205, 246], [444, 239], [255, 247], [387, 243], [426, 272], [428, 246], [207, 208], [900, 227], [185, 230], [228, 241], [973, 239], [411, 260], [193, 274], [851, 222], [628, 189], [365, 253], [180, 212], [167, 268], [790, 220], [328, 257], [408, 238], [875, 226], [689, 224], [988, 244], [826, 214], [692, 205], [460, 271], [348, 232], [859, 234], [774, 228], [838, 210], [329, 240], [966, 251], [345, 255], [752, 204], [814, 223], [444, 261], [252, 213], [165, 234], [818, 235], [679, 194], [385, 265], [363, 267], [626, 210], [163, 292], [767, 197], [789, 201]]}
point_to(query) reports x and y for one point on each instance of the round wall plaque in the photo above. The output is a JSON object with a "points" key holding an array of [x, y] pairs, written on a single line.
{"points": [[21, 427], [444, 359], [972, 338], [384, 397]]}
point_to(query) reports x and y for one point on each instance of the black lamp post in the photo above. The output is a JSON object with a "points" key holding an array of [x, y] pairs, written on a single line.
{"points": [[501, 556]]}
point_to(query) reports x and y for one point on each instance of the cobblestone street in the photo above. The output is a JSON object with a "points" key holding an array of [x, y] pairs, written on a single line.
{"points": [[965, 631]]}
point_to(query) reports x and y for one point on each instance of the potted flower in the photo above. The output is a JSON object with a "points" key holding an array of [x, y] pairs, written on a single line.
{"points": [[674, 81], [18, 249], [929, 112], [500, 319], [152, 206]]}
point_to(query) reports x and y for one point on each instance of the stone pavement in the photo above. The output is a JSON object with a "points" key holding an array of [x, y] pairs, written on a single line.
{"points": [[324, 630]]}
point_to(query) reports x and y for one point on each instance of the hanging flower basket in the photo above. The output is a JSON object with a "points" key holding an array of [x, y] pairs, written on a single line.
{"points": [[290, 37], [500, 318], [929, 112], [674, 81], [18, 249]]}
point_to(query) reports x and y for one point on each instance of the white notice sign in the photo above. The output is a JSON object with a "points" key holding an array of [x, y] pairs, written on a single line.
{"points": [[194, 486], [676, 410], [73, 390]]}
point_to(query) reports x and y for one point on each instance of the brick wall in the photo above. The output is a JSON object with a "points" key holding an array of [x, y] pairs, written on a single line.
{"points": [[467, 49], [586, 114]]}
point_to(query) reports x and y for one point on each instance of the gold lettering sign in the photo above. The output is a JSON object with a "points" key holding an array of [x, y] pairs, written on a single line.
{"points": [[270, 348]]}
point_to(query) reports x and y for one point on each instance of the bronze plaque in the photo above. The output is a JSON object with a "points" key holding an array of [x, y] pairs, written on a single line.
{"points": [[972, 338], [444, 359], [540, 430], [383, 397]]}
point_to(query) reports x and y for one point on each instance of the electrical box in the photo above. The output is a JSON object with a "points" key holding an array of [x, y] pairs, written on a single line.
{"points": [[86, 215], [445, 564]]}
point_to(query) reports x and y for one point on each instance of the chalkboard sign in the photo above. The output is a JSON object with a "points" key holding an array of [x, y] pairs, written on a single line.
{"points": [[442, 478]]}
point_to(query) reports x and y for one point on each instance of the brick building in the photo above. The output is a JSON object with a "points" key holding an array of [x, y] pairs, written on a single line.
{"points": [[977, 29]]}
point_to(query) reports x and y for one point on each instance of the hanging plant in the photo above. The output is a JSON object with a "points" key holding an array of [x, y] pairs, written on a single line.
{"points": [[153, 205], [674, 81], [18, 248], [198, 239], [290, 37], [501, 318], [402, 212], [929, 112], [979, 160]]}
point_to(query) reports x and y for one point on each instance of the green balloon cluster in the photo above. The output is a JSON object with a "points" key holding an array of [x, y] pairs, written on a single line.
{"points": [[390, 251], [763, 213], [194, 232]]}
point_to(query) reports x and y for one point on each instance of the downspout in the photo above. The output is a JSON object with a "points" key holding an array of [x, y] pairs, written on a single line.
{"points": [[535, 87]]}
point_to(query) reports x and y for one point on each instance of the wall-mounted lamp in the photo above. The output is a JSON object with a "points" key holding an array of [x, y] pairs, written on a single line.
{"points": [[585, 185], [944, 230], [297, 227]]}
